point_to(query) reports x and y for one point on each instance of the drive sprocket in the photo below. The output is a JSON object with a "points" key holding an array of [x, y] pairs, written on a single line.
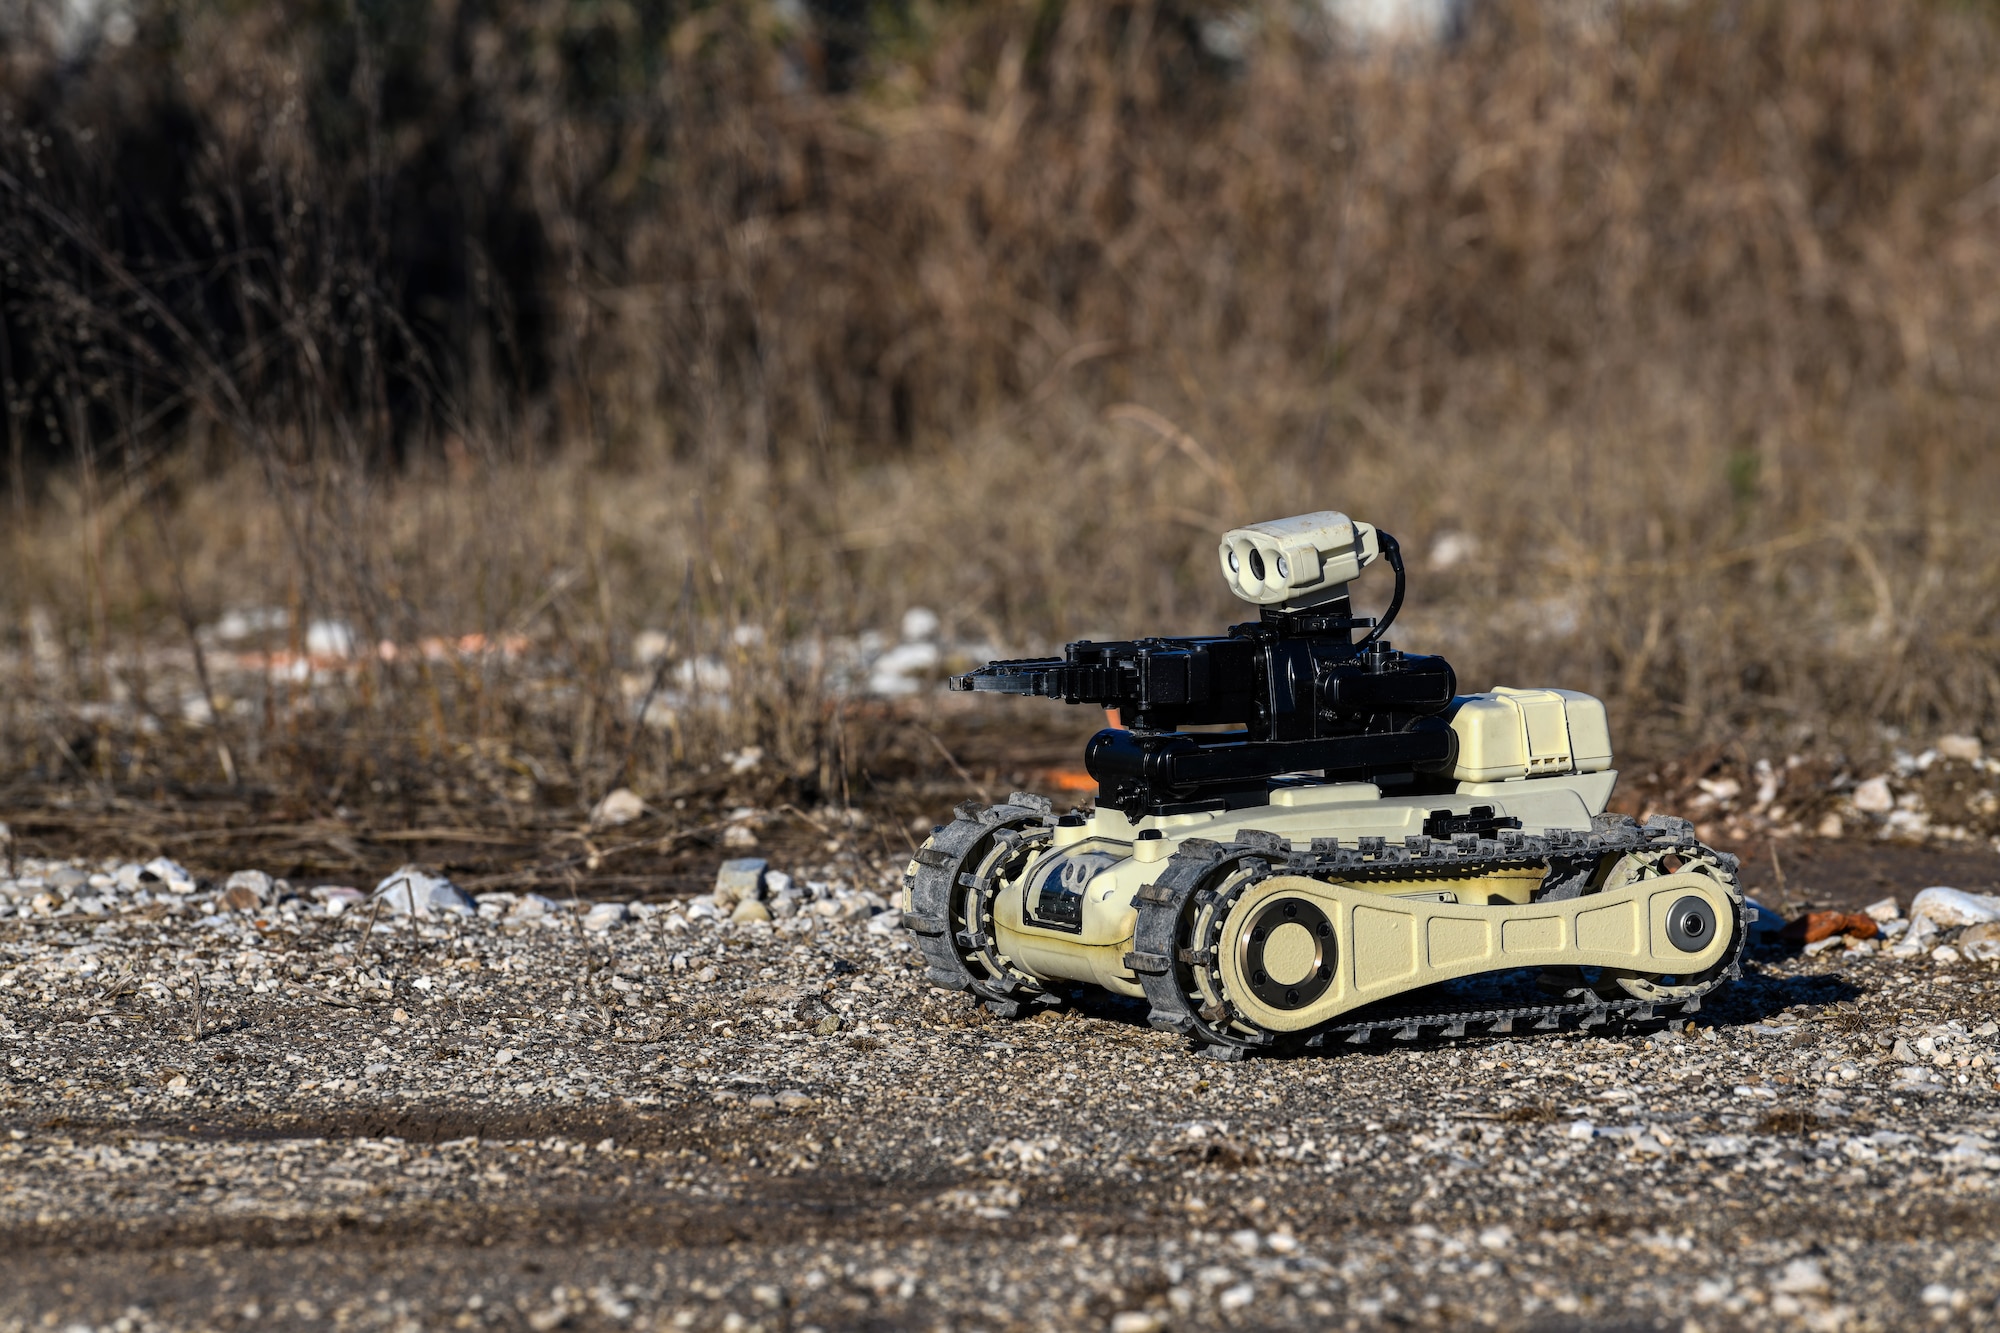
{"points": [[948, 892]]}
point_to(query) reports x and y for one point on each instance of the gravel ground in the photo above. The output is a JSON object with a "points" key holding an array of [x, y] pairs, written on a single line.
{"points": [[216, 1116]]}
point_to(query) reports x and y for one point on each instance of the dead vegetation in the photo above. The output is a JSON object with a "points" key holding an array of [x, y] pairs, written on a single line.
{"points": [[1665, 339]]}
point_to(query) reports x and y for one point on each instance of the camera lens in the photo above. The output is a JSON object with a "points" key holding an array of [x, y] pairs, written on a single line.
{"points": [[1284, 568], [1233, 563], [1256, 564]]}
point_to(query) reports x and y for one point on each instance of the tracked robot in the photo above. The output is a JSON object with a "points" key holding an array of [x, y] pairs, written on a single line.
{"points": [[1305, 837]]}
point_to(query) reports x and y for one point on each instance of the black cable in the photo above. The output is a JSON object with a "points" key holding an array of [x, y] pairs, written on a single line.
{"points": [[1394, 555]]}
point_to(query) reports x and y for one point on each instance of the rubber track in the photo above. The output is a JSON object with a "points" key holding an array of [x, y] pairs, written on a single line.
{"points": [[939, 884], [1164, 903]]}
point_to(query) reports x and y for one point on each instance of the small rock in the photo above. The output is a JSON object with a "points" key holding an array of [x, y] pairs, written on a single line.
{"points": [[530, 905], [744, 760], [1138, 1321], [1965, 749], [1955, 907], [1917, 938], [337, 898], [827, 1026], [1830, 826], [1884, 911], [1873, 797], [776, 882], [794, 1100], [703, 909], [618, 807], [750, 910], [256, 881], [739, 835], [783, 905], [740, 879], [885, 923], [1802, 1277], [241, 899], [1944, 953], [605, 916], [707, 974], [412, 892], [1981, 943]]}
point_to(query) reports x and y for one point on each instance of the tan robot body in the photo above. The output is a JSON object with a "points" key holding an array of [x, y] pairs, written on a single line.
{"points": [[1451, 840]]}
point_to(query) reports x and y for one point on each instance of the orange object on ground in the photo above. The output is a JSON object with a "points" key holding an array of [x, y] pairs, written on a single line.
{"points": [[1070, 779], [1816, 926]]}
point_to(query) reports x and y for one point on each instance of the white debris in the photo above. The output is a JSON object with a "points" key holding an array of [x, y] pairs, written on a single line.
{"points": [[337, 898], [605, 916], [1873, 797], [1954, 907], [739, 879], [329, 638], [1452, 549], [1981, 944], [410, 891], [1803, 1277], [1884, 911], [1718, 791], [254, 881], [920, 625], [156, 872], [650, 646], [901, 670], [532, 905], [618, 807], [1965, 749]]}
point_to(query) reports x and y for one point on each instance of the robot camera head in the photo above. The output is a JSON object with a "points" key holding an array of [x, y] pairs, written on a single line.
{"points": [[1295, 563]]}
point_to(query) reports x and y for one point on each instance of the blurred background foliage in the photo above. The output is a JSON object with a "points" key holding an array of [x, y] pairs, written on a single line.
{"points": [[1666, 332]]}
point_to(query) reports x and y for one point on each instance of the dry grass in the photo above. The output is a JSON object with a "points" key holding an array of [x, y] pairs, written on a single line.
{"points": [[1687, 317]]}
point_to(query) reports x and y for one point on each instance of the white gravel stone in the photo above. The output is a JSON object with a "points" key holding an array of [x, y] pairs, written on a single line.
{"points": [[255, 881], [410, 891], [606, 916], [1965, 749], [1873, 797], [1918, 938], [1981, 943], [1955, 907], [739, 879], [1883, 911], [621, 806]]}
